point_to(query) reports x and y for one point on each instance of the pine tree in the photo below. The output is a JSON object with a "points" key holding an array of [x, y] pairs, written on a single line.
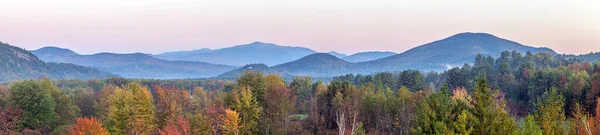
{"points": [[434, 114], [490, 116], [529, 127]]}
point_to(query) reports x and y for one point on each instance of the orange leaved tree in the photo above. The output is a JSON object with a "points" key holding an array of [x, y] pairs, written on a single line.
{"points": [[87, 126]]}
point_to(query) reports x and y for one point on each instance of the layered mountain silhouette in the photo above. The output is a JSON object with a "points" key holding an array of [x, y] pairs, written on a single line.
{"points": [[256, 52], [20, 64], [440, 55], [136, 65], [367, 56], [316, 65], [337, 54]]}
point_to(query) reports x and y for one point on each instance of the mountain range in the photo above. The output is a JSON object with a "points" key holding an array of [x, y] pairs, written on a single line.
{"points": [[20, 64], [135, 65], [256, 52], [440, 55]]}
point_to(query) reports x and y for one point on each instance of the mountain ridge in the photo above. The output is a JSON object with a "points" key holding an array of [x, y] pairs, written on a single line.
{"points": [[239, 55], [439, 55], [20, 64], [138, 65]]}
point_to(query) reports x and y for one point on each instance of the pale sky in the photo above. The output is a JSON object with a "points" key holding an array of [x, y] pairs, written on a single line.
{"points": [[348, 26]]}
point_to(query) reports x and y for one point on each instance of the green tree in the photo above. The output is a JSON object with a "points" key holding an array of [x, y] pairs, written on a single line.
{"points": [[434, 115], [462, 125], [36, 103], [550, 114], [64, 108], [412, 79], [199, 124], [254, 81], [249, 109], [489, 114], [529, 127], [302, 87]]}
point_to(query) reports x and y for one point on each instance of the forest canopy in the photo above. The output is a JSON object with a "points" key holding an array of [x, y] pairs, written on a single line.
{"points": [[511, 94]]}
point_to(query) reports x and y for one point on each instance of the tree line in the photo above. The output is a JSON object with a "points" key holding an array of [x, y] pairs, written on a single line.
{"points": [[511, 94]]}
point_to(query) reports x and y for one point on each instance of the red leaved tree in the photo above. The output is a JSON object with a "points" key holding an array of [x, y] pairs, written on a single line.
{"points": [[180, 126]]}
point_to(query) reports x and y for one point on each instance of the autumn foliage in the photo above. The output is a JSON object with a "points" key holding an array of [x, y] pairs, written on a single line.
{"points": [[87, 126]]}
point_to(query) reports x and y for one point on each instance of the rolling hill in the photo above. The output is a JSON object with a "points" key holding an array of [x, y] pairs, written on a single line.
{"points": [[316, 65], [20, 64], [136, 65], [367, 56], [449, 52], [256, 52]]}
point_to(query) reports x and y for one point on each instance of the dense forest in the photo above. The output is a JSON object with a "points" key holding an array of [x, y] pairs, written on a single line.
{"points": [[511, 94]]}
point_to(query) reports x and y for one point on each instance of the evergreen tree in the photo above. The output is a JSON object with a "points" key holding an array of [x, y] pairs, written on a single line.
{"points": [[529, 127], [435, 114], [490, 116]]}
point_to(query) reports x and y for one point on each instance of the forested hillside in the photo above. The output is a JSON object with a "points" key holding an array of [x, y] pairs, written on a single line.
{"points": [[19, 64], [511, 94], [447, 53], [591, 57]]}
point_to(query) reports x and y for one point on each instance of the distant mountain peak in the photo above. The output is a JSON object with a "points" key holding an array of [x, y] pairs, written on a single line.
{"points": [[258, 43], [321, 55], [473, 34], [55, 50], [337, 54], [240, 55], [203, 50], [316, 58]]}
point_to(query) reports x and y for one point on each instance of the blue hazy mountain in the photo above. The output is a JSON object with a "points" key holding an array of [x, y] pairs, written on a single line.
{"points": [[135, 65], [336, 54], [367, 56], [20, 64], [453, 51], [316, 65], [256, 52]]}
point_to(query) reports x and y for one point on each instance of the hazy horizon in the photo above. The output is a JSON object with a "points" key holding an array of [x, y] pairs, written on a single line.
{"points": [[157, 26]]}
